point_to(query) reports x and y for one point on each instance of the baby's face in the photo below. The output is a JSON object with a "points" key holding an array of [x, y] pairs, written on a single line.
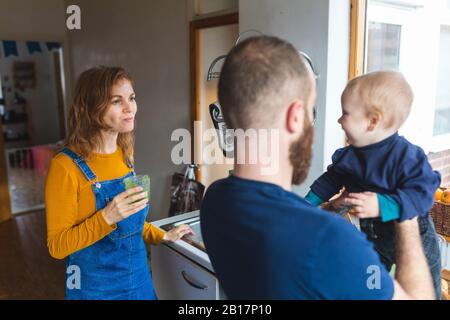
{"points": [[354, 120]]}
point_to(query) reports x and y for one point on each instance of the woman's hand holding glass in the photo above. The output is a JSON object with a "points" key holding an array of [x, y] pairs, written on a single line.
{"points": [[124, 205]]}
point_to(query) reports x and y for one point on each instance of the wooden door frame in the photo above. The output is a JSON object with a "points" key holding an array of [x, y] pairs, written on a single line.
{"points": [[357, 37], [57, 62], [194, 38], [5, 200]]}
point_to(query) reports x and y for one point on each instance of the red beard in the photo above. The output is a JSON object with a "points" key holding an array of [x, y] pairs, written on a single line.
{"points": [[301, 154]]}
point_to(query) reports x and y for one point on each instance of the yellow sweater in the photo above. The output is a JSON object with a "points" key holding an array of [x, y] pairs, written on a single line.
{"points": [[72, 221]]}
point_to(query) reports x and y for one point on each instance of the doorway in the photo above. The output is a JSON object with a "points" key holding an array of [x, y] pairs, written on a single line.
{"points": [[210, 39], [32, 121]]}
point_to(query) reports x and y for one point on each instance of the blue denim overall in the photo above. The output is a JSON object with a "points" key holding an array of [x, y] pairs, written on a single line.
{"points": [[115, 267]]}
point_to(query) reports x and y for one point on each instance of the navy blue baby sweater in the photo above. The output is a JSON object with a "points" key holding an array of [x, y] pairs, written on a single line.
{"points": [[393, 167]]}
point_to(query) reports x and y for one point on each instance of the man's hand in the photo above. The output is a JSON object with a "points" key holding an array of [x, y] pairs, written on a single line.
{"points": [[365, 204], [339, 202]]}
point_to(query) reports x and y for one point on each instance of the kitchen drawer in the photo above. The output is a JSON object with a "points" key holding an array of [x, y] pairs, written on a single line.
{"points": [[177, 278]]}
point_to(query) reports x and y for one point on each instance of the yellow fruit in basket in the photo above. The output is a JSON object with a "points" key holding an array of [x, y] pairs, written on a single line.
{"points": [[445, 198], [438, 194]]}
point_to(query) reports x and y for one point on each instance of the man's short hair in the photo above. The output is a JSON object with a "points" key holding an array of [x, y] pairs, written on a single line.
{"points": [[260, 76]]}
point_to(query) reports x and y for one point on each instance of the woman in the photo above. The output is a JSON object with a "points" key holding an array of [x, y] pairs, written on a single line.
{"points": [[91, 220]]}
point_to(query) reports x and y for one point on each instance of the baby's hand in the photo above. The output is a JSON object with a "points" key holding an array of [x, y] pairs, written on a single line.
{"points": [[365, 204]]}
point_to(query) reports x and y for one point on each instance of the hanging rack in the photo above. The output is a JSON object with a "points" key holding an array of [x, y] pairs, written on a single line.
{"points": [[216, 74], [211, 74]]}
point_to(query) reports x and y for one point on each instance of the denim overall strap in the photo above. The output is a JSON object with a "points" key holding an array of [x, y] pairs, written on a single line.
{"points": [[80, 164]]}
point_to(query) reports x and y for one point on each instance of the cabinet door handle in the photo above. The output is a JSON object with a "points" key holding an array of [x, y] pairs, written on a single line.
{"points": [[192, 283]]}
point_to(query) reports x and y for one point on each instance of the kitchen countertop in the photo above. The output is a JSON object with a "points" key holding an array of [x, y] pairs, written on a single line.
{"points": [[183, 246]]}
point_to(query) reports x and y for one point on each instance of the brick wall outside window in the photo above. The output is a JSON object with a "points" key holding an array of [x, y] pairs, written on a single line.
{"points": [[440, 161]]}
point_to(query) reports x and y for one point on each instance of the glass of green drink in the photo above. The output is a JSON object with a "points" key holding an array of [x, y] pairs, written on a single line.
{"points": [[138, 181]]}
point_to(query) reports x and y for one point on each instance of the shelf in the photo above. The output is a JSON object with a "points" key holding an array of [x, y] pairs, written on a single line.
{"points": [[17, 145], [8, 123], [18, 118], [16, 140]]}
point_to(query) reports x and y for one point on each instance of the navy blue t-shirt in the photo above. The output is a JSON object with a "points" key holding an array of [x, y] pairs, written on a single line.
{"points": [[393, 167], [267, 243]]}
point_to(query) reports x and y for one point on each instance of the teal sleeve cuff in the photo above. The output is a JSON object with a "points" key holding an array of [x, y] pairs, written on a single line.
{"points": [[389, 208], [314, 199]]}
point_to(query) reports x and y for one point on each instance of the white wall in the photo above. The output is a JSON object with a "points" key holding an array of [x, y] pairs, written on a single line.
{"points": [[337, 74], [151, 40], [32, 20], [321, 29]]}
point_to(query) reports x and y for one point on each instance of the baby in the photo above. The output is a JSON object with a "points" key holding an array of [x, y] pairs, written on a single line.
{"points": [[386, 178]]}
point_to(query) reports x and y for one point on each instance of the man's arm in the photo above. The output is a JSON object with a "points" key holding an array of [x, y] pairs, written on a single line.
{"points": [[413, 278]]}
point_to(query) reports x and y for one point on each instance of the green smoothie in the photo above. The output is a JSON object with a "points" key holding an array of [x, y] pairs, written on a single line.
{"points": [[138, 181]]}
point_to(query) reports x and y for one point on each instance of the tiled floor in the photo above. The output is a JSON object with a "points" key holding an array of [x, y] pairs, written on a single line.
{"points": [[26, 269]]}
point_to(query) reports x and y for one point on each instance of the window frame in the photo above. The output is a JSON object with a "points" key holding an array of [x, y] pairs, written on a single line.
{"points": [[357, 65], [443, 139]]}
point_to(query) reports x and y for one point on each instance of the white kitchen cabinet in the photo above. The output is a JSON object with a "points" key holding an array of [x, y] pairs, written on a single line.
{"points": [[178, 278], [182, 270]]}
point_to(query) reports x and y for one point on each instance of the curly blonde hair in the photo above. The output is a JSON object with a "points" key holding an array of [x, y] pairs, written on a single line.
{"points": [[90, 103]]}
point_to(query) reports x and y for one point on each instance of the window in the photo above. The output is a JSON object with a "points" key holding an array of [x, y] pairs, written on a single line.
{"points": [[442, 112], [413, 37], [383, 46]]}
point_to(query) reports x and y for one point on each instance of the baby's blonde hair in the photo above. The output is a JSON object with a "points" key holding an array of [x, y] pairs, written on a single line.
{"points": [[384, 92]]}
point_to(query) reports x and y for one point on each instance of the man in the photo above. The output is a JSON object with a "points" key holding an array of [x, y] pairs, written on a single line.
{"points": [[264, 241]]}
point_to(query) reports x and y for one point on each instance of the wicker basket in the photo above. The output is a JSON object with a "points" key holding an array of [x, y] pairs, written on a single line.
{"points": [[441, 218]]}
